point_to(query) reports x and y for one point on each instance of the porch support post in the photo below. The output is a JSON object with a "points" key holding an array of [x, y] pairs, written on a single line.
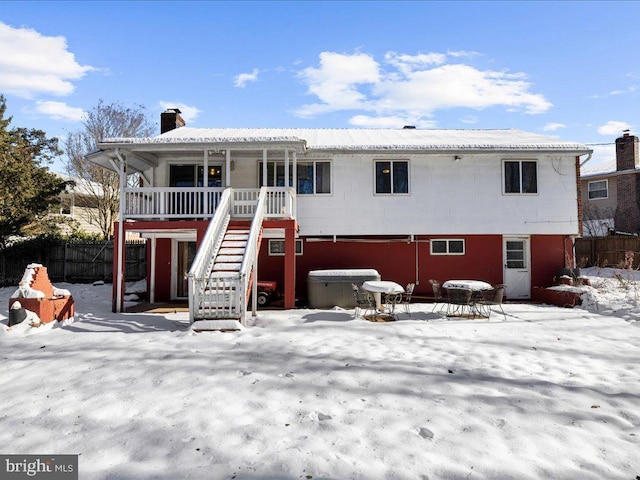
{"points": [[119, 278], [286, 168], [205, 173], [290, 266], [264, 168], [152, 273], [254, 288], [228, 168], [295, 169]]}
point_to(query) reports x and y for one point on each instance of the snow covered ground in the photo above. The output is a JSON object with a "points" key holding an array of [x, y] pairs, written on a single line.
{"points": [[548, 393]]}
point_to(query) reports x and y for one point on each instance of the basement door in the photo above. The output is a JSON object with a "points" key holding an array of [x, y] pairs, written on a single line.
{"points": [[517, 267], [186, 252]]}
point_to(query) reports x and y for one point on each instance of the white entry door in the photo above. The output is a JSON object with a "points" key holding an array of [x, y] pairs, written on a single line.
{"points": [[517, 267]]}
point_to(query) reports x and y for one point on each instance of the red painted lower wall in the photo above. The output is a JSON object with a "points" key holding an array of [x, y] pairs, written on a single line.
{"points": [[396, 260]]}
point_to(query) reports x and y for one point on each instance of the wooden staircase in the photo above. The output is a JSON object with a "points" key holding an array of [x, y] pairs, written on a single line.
{"points": [[226, 264], [232, 249]]}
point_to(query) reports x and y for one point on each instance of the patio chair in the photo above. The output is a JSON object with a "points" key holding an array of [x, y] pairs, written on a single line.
{"points": [[364, 300], [495, 297], [406, 298], [459, 301], [437, 294]]}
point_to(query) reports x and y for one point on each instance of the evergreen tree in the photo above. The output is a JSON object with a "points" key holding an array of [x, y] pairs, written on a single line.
{"points": [[28, 190]]}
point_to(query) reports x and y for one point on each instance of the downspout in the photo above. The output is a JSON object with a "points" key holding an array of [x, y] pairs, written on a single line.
{"points": [[120, 277], [587, 159]]}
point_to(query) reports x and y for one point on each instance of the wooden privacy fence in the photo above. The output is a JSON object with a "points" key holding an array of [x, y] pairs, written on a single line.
{"points": [[75, 262], [606, 251]]}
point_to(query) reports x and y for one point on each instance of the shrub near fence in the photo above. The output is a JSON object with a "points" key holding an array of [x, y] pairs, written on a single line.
{"points": [[79, 262], [606, 251]]}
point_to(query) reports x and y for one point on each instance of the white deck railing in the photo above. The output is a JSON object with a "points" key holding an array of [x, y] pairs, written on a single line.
{"points": [[224, 295], [171, 203]]}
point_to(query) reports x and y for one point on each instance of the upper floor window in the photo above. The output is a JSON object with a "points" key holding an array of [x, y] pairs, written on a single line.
{"points": [[598, 189], [190, 175], [313, 177], [520, 176], [392, 176]]}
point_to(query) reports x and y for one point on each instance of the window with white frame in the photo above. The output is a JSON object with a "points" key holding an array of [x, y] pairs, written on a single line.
{"points": [[313, 177], [447, 246], [276, 247], [520, 176], [391, 177], [598, 189]]}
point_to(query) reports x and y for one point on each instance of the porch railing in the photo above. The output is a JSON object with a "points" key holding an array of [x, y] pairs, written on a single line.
{"points": [[170, 203]]}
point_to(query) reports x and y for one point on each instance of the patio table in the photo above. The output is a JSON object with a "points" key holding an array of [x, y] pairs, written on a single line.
{"points": [[476, 299], [391, 293], [473, 285]]}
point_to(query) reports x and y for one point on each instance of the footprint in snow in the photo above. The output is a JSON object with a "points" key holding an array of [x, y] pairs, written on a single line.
{"points": [[425, 433], [319, 416]]}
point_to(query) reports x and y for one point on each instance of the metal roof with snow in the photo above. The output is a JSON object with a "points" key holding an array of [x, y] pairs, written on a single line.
{"points": [[362, 139]]}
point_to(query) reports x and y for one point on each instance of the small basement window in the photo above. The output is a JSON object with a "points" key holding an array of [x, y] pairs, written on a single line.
{"points": [[276, 247], [449, 246]]}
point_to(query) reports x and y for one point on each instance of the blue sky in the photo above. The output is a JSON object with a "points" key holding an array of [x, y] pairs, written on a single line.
{"points": [[566, 69]]}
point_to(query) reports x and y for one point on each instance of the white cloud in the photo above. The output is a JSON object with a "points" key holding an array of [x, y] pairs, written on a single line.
{"points": [[336, 82], [366, 121], [470, 119], [59, 111], [413, 86], [613, 127], [623, 91], [244, 78], [552, 127], [32, 63], [408, 63], [188, 113]]}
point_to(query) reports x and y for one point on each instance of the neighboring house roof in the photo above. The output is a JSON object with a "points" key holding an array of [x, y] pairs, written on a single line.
{"points": [[81, 187], [363, 139]]}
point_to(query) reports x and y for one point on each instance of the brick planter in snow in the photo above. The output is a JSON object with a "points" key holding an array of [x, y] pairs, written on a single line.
{"points": [[36, 294]]}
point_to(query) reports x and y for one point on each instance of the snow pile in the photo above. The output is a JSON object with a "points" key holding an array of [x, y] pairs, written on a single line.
{"points": [[24, 286], [318, 394]]}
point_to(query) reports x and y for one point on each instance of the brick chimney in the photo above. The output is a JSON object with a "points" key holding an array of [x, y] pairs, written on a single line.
{"points": [[170, 119], [626, 152], [627, 215]]}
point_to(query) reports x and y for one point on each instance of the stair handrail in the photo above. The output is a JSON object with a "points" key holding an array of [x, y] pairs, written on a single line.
{"points": [[251, 253], [200, 268]]}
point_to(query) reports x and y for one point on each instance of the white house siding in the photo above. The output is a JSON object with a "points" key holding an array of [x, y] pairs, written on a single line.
{"points": [[445, 196]]}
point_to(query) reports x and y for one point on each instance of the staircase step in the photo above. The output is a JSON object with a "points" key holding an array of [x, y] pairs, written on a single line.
{"points": [[229, 259], [233, 236], [216, 325], [233, 244], [226, 267], [222, 276], [232, 251]]}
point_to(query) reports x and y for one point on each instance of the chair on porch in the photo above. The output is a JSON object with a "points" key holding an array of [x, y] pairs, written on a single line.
{"points": [[437, 294], [364, 300], [406, 298]]}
